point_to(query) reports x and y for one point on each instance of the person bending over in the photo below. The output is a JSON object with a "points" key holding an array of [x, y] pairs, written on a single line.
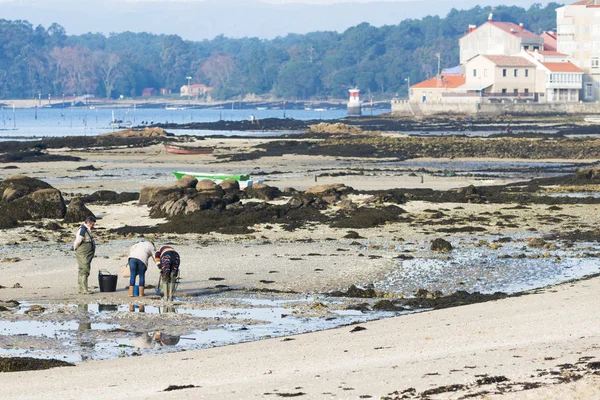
{"points": [[138, 264], [167, 260]]}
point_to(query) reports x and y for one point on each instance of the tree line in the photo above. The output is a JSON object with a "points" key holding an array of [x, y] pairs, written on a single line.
{"points": [[317, 65]]}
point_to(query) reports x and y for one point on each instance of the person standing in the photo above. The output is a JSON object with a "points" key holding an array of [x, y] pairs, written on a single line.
{"points": [[138, 264], [167, 260], [85, 249]]}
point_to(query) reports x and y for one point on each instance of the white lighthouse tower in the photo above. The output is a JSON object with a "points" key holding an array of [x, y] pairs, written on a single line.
{"points": [[354, 104]]}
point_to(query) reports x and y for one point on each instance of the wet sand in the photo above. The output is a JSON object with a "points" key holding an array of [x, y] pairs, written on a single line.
{"points": [[530, 338]]}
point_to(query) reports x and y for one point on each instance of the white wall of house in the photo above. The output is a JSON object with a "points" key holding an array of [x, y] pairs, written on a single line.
{"points": [[484, 72], [487, 39], [513, 79], [578, 35], [479, 71]]}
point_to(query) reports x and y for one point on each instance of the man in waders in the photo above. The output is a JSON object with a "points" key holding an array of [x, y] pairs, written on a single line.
{"points": [[85, 249], [167, 261]]}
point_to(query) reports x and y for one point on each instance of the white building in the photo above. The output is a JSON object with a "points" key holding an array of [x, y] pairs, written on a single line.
{"points": [[497, 38], [578, 36]]}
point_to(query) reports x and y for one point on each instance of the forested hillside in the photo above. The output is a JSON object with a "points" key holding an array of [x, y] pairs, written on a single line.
{"points": [[319, 65]]}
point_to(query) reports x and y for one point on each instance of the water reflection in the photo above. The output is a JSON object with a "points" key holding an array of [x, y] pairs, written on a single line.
{"points": [[148, 340]]}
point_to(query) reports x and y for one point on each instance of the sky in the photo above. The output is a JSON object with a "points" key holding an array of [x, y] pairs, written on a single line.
{"points": [[205, 19]]}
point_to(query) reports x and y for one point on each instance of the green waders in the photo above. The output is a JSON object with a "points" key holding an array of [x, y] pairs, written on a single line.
{"points": [[84, 254], [168, 286]]}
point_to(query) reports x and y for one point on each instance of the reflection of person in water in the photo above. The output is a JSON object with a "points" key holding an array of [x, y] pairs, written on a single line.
{"points": [[165, 340], [82, 337], [148, 340]]}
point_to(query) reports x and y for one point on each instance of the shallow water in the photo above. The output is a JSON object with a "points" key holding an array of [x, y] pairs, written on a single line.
{"points": [[82, 121], [481, 269], [98, 330]]}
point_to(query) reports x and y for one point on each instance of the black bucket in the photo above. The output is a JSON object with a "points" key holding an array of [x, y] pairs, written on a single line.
{"points": [[106, 281]]}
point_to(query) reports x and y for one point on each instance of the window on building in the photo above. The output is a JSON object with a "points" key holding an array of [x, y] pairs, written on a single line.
{"points": [[474, 72], [595, 64], [515, 91], [526, 90], [536, 48], [515, 72], [504, 72], [526, 47], [485, 73], [589, 91], [526, 73], [504, 91]]}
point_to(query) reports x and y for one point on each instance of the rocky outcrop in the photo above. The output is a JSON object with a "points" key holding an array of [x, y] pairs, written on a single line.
{"points": [[152, 195], [23, 198], [18, 186], [77, 211], [110, 197], [187, 181], [208, 188], [262, 192]]}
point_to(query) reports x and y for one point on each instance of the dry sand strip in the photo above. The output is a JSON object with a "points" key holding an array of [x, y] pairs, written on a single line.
{"points": [[525, 339]]}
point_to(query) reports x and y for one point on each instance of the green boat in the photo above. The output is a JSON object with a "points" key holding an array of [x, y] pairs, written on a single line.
{"points": [[212, 177]]}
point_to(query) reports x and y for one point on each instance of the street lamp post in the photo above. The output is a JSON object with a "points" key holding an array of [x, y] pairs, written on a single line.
{"points": [[407, 80]]}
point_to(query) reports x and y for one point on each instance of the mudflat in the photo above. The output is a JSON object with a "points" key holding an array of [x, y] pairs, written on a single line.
{"points": [[533, 242]]}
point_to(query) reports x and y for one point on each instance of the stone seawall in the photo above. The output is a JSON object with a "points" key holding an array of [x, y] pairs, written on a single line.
{"points": [[405, 108]]}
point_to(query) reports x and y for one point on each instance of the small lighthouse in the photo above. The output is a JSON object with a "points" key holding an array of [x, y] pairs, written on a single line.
{"points": [[354, 104]]}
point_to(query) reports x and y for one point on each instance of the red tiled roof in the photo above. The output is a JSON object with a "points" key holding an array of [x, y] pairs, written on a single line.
{"points": [[513, 29], [508, 61], [549, 53], [562, 67], [587, 3], [549, 41], [446, 81], [552, 53]]}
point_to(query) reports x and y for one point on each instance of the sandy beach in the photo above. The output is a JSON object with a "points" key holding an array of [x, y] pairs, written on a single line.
{"points": [[538, 345]]}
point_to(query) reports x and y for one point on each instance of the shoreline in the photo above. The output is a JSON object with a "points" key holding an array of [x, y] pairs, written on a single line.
{"points": [[514, 338]]}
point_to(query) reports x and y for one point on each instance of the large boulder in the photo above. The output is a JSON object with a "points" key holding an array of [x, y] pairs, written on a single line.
{"points": [[44, 203], [152, 195], [187, 181], [208, 188], [77, 211], [262, 192], [323, 190], [230, 185], [19, 186]]}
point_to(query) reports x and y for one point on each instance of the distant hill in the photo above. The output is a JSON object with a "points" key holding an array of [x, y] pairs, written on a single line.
{"points": [[205, 19], [38, 60]]}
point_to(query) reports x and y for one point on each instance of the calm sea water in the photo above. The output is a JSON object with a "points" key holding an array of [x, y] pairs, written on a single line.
{"points": [[76, 121]]}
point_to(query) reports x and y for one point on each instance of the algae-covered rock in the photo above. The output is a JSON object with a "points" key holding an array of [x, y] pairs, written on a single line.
{"points": [[18, 186], [77, 211], [262, 192], [187, 181], [442, 245]]}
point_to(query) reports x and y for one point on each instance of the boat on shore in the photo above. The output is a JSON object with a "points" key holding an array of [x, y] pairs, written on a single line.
{"points": [[592, 120], [179, 149], [243, 179]]}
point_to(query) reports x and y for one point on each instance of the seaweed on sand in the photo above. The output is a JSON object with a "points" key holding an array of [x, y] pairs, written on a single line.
{"points": [[15, 364]]}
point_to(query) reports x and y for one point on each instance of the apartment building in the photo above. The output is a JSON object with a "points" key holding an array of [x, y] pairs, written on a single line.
{"points": [[578, 36]]}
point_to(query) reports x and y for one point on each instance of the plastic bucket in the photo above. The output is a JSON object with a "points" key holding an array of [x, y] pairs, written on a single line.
{"points": [[106, 281]]}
